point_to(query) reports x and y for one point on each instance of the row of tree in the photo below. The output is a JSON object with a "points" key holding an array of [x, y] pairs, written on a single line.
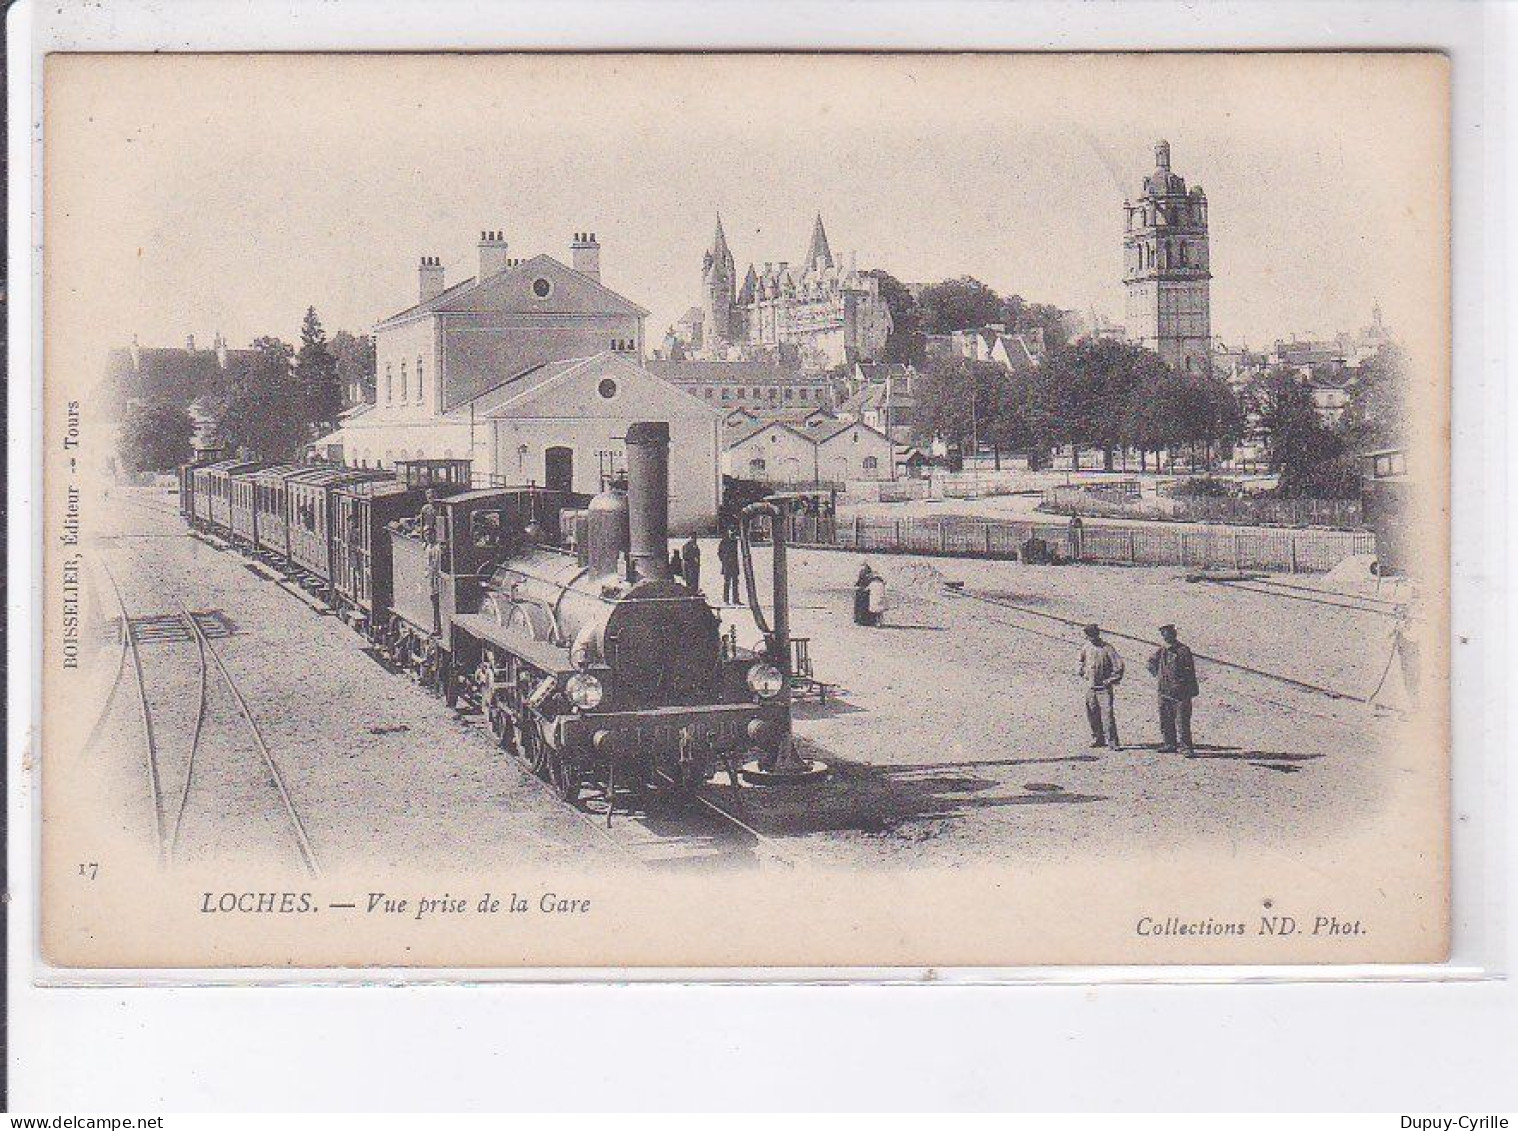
{"points": [[273, 401], [1114, 396], [1099, 394], [958, 304]]}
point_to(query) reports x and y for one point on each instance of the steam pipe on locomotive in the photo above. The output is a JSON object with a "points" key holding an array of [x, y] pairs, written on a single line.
{"points": [[785, 765]]}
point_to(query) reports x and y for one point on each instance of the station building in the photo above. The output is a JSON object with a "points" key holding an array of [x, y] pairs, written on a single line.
{"points": [[531, 370]]}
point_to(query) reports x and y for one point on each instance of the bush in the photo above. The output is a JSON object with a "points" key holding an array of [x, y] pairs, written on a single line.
{"points": [[1206, 487]]}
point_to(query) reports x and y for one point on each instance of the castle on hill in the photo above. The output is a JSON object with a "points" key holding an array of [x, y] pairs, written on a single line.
{"points": [[820, 312]]}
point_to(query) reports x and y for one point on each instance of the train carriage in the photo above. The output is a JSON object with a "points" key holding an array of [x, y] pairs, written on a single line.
{"points": [[556, 614], [361, 547], [213, 493], [447, 476], [186, 476], [243, 514], [308, 516], [272, 533]]}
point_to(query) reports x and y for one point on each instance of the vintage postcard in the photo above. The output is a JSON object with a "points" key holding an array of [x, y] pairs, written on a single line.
{"points": [[751, 511]]}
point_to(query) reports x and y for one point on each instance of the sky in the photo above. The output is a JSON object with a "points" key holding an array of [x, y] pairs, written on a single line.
{"points": [[196, 194]]}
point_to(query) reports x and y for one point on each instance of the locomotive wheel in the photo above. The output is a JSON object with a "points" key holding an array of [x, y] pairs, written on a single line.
{"points": [[500, 725], [529, 747], [564, 775]]}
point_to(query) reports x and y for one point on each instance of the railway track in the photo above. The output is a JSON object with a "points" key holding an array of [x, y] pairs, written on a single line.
{"points": [[1332, 599], [631, 833], [708, 828], [169, 827], [150, 742], [1246, 669]]}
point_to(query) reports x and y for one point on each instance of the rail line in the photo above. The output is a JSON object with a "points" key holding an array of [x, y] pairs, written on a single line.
{"points": [[1301, 685], [150, 742], [1351, 602], [763, 845], [208, 651], [200, 718], [110, 696]]}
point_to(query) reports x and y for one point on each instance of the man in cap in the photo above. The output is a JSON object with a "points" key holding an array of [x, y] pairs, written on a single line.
{"points": [[1102, 669], [1175, 668]]}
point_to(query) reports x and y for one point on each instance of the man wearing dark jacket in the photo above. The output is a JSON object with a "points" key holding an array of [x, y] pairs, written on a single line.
{"points": [[1175, 668], [727, 557], [690, 558]]}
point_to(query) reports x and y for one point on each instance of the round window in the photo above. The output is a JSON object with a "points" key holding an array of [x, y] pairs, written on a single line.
{"points": [[541, 287], [607, 388]]}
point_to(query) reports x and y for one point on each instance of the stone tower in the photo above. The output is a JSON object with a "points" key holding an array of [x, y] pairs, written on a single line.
{"points": [[1166, 268], [718, 278]]}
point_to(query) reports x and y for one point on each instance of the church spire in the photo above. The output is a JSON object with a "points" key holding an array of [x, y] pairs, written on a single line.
{"points": [[819, 249]]}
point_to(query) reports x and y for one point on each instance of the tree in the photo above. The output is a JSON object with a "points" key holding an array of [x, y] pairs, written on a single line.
{"points": [[907, 340], [975, 403], [1093, 384], [958, 304], [261, 415], [155, 436], [1020, 316], [320, 397], [355, 362], [1306, 455], [962, 401], [1376, 415]]}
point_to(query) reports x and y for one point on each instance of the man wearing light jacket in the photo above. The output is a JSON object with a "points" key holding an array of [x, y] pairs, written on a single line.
{"points": [[1102, 669]]}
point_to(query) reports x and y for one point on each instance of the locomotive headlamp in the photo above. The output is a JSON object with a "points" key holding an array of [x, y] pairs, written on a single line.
{"points": [[765, 680], [584, 690]]}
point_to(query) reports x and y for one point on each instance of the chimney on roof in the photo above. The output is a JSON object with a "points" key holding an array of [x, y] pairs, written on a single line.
{"points": [[585, 255], [429, 278], [189, 342], [492, 254]]}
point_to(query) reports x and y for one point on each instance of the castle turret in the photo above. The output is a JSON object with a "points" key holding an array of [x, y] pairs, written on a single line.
{"points": [[718, 276], [1166, 269], [818, 254]]}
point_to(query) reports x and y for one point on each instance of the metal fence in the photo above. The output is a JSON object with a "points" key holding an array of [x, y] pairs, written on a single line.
{"points": [[1337, 514], [1289, 551]]}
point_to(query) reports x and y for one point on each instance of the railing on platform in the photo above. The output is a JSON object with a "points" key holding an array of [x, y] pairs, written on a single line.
{"points": [[1288, 551]]}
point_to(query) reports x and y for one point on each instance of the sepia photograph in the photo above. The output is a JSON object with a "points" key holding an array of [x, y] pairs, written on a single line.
{"points": [[745, 511]]}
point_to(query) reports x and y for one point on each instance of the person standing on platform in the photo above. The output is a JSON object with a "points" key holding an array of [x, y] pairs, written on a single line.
{"points": [[676, 565], [727, 557], [1175, 668], [1102, 669], [690, 557]]}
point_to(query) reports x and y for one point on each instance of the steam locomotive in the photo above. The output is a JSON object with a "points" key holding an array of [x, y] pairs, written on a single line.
{"points": [[554, 614]]}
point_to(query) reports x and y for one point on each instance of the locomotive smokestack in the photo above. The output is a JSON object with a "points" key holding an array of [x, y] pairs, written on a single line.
{"points": [[648, 497]]}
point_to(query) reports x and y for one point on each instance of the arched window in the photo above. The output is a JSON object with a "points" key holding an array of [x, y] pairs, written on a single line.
{"points": [[404, 383], [389, 384], [419, 380]]}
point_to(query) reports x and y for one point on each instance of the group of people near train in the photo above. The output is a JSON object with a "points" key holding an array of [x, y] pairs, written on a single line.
{"points": [[1174, 669], [685, 565]]}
